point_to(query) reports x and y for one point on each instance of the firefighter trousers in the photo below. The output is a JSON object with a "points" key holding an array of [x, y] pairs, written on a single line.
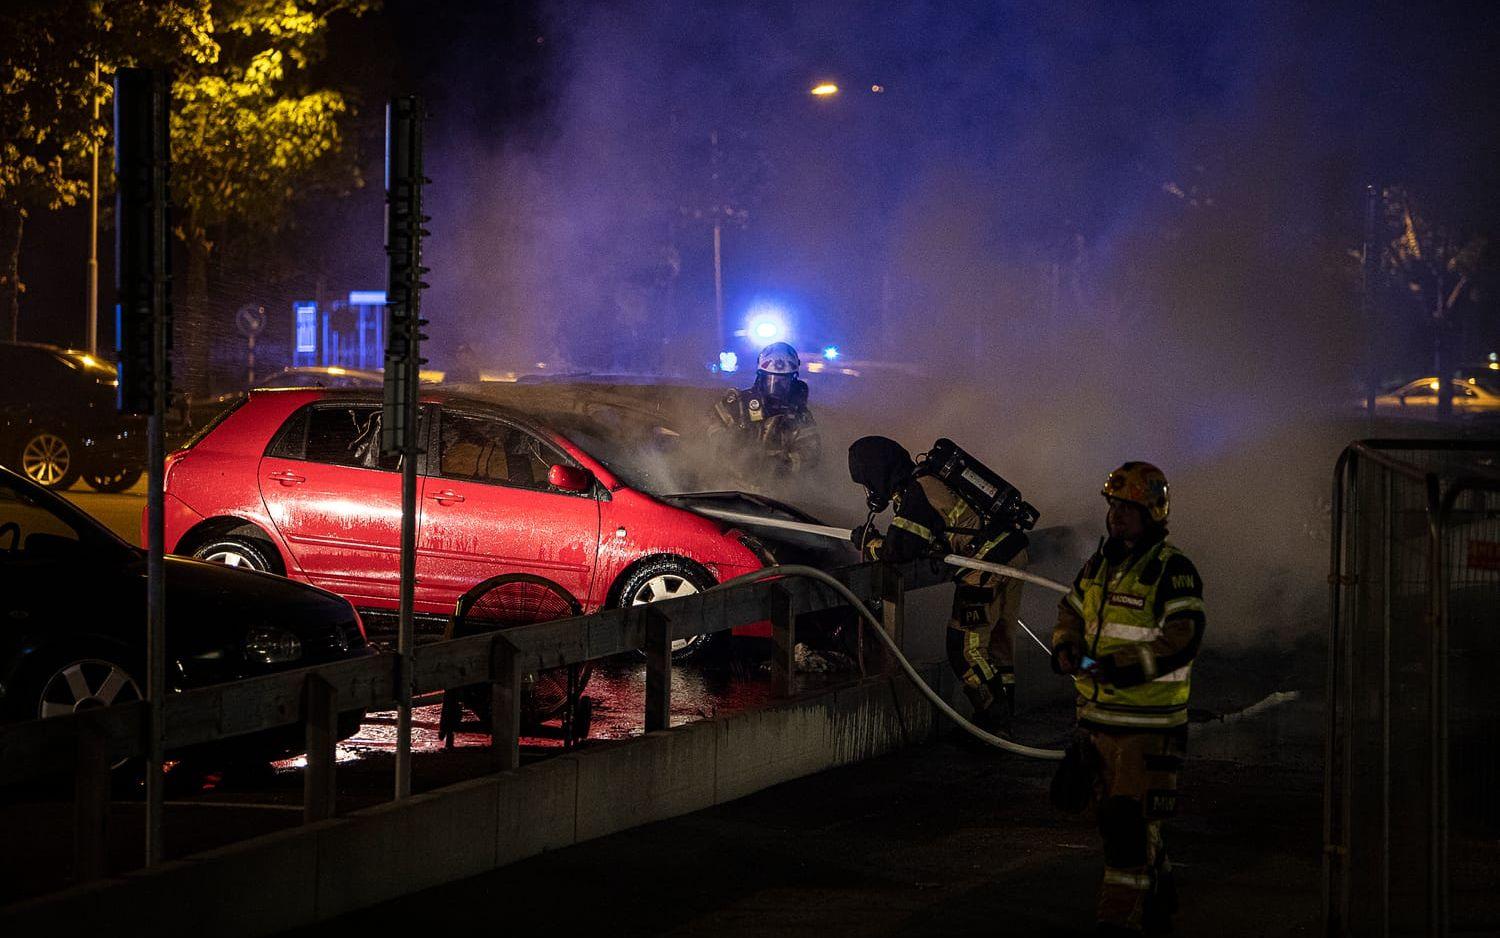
{"points": [[980, 638], [1136, 790]]}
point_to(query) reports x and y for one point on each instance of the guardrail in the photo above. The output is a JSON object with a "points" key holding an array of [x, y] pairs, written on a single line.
{"points": [[88, 743]]}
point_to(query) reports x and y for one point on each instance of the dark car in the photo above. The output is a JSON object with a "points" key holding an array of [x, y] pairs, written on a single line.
{"points": [[73, 618], [58, 419]]}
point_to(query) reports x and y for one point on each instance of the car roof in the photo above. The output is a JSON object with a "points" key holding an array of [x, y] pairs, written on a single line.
{"points": [[376, 396]]}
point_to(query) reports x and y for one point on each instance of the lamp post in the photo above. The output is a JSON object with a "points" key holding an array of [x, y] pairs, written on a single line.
{"points": [[91, 330]]}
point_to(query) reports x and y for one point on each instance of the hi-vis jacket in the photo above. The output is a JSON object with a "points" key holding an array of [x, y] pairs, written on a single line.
{"points": [[1141, 618]]}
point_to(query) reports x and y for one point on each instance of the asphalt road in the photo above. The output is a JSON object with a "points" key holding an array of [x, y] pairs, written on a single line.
{"points": [[120, 512]]}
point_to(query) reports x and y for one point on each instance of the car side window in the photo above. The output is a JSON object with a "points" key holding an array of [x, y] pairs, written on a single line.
{"points": [[334, 434], [28, 531], [481, 449], [1421, 390]]}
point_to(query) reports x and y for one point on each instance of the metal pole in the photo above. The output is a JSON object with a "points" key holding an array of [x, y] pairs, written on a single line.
{"points": [[156, 595], [91, 332], [1366, 259]]}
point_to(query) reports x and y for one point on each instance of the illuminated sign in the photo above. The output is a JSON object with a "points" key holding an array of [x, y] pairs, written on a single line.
{"points": [[307, 327], [366, 297]]}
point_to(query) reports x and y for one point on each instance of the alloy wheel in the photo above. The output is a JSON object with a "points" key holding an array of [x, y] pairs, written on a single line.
{"points": [[86, 684], [46, 459], [665, 586]]}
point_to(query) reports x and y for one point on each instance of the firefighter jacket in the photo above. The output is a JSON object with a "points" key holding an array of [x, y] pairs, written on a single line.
{"points": [[750, 425], [1141, 618], [931, 518]]}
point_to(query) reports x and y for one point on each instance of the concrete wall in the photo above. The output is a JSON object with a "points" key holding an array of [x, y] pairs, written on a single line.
{"points": [[302, 876]]}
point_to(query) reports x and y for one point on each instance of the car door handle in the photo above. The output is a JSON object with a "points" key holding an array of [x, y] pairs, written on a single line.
{"points": [[446, 496], [288, 478]]}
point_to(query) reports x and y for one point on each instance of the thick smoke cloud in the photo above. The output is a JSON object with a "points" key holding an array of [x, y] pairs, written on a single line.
{"points": [[1064, 236]]}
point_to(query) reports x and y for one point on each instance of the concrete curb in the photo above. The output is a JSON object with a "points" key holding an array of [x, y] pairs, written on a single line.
{"points": [[299, 877]]}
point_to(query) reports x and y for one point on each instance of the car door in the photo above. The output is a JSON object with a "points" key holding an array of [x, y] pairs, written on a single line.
{"points": [[337, 501], [487, 509]]}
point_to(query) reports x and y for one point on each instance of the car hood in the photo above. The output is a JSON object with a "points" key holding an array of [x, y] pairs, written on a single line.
{"points": [[785, 546]]}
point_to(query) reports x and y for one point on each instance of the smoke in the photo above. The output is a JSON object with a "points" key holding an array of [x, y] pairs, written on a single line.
{"points": [[1064, 237]]}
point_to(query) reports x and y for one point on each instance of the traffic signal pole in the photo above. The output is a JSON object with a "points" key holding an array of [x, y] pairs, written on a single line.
{"points": [[403, 363]]}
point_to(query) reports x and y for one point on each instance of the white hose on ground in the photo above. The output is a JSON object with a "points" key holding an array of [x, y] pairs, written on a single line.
{"points": [[813, 573], [843, 534]]}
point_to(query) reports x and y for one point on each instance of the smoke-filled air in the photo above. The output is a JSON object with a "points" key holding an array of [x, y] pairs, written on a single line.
{"points": [[1062, 238]]}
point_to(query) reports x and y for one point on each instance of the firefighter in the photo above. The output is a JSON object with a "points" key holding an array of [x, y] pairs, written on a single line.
{"points": [[768, 422], [930, 518], [1127, 634]]}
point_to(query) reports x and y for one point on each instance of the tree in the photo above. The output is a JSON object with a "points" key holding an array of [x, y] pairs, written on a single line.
{"points": [[250, 132], [55, 58], [1437, 266]]}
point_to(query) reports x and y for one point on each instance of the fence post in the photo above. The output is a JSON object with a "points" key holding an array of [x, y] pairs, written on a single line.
{"points": [[784, 638], [90, 805], [505, 702], [658, 670], [892, 611], [320, 723]]}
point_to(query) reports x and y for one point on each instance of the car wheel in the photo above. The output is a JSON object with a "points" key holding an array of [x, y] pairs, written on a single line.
{"points": [[668, 578], [236, 552], [48, 459], [113, 480], [85, 683]]}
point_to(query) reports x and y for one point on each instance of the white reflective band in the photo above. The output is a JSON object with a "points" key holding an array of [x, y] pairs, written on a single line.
{"points": [[1075, 602], [1131, 633], [1118, 718], [1148, 660], [1123, 878], [1184, 604], [1181, 674]]}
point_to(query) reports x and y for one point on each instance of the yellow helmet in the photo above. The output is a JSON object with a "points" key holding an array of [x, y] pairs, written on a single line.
{"points": [[1142, 484]]}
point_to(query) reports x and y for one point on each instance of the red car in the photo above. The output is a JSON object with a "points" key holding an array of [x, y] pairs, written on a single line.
{"points": [[292, 481]]}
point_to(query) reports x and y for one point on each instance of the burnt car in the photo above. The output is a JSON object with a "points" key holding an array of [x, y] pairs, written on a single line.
{"points": [[59, 422], [73, 619]]}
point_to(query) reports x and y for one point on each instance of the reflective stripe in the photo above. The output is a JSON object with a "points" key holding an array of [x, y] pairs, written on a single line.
{"points": [[1130, 718], [1131, 633], [907, 525], [979, 666], [1148, 660], [1185, 604], [1113, 877], [1181, 674], [954, 513], [1076, 602]]}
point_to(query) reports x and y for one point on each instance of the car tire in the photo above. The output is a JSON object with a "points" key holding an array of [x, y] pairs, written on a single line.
{"points": [[48, 458], [667, 578], [113, 480], [78, 678], [246, 553]]}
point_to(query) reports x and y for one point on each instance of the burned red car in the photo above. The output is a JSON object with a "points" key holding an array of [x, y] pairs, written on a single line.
{"points": [[293, 482]]}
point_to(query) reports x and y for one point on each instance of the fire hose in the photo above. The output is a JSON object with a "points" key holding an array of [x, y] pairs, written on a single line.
{"points": [[768, 573]]}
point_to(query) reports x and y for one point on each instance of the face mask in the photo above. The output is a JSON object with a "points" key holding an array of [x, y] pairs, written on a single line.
{"points": [[777, 386]]}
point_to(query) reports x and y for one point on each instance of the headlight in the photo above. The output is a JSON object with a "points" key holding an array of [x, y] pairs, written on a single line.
{"points": [[268, 644]]}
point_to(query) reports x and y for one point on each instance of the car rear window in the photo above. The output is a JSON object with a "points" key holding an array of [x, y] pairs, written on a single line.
{"points": [[335, 434]]}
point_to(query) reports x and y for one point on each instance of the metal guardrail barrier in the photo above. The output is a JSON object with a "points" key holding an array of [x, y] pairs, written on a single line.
{"points": [[86, 744], [1413, 733]]}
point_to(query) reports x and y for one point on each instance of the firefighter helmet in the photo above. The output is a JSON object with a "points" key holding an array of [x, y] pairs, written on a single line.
{"points": [[1139, 483], [778, 358]]}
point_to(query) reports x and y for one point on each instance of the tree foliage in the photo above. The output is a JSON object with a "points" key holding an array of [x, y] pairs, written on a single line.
{"points": [[250, 131]]}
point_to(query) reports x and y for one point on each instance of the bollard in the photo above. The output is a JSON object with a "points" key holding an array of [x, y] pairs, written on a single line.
{"points": [[90, 805], [784, 640], [320, 716], [658, 670], [505, 702]]}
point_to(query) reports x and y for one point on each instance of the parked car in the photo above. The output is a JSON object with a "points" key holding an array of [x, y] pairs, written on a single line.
{"points": [[73, 618], [1471, 397], [59, 422], [292, 481]]}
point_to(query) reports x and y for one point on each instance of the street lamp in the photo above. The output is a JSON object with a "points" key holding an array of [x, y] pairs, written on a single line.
{"points": [[824, 89]]}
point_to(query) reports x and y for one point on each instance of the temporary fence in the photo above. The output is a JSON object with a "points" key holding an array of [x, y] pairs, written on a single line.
{"points": [[1413, 735]]}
